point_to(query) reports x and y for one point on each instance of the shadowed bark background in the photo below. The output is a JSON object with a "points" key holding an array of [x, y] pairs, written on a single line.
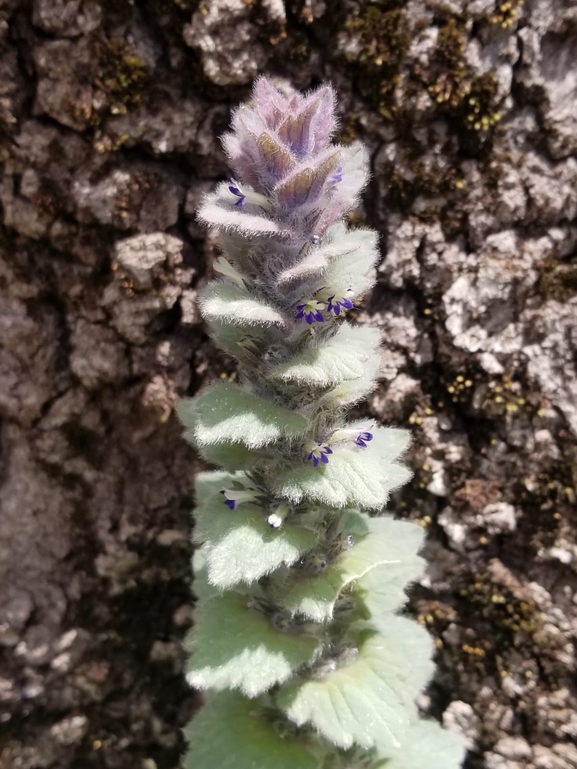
{"points": [[109, 116]]}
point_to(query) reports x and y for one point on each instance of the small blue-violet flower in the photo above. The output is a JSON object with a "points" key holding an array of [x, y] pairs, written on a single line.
{"points": [[248, 195], [311, 312], [235, 497], [338, 175], [340, 301], [319, 454], [362, 439], [238, 194]]}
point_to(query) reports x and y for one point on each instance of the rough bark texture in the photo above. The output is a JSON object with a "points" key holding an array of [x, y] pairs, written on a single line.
{"points": [[109, 117]]}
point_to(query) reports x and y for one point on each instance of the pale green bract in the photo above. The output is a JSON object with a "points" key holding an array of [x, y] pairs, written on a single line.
{"points": [[352, 477], [233, 648], [230, 733], [233, 304], [427, 746], [354, 266], [240, 545], [368, 702], [226, 413], [202, 587], [346, 261], [393, 545], [230, 456], [298, 571], [330, 362]]}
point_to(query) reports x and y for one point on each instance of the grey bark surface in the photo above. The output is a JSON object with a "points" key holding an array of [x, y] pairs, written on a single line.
{"points": [[110, 113]]}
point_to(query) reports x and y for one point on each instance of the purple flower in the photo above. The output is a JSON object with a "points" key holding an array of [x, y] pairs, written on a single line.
{"points": [[362, 439], [338, 175], [311, 312], [232, 504], [350, 540], [320, 454], [237, 193], [339, 302], [235, 497]]}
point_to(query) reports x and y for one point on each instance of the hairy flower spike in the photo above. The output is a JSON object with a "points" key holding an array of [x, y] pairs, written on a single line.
{"points": [[297, 642]]}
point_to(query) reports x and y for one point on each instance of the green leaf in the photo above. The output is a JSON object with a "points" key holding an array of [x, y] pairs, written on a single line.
{"points": [[233, 647], [353, 476], [241, 546], [331, 361], [229, 303], [427, 746], [389, 542], [371, 700], [226, 413], [229, 732]]}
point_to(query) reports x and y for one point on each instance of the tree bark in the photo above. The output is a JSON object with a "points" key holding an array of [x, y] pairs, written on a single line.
{"points": [[110, 113]]}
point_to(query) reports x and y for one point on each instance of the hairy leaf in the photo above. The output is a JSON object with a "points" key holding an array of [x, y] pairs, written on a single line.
{"points": [[201, 586], [230, 456], [353, 476], [230, 733], [229, 303], [219, 210], [357, 273], [332, 361], [209, 483], [383, 589], [369, 701], [389, 443], [240, 342], [355, 169], [312, 264], [237, 648], [226, 413], [240, 544], [350, 392], [389, 542], [427, 746], [345, 259]]}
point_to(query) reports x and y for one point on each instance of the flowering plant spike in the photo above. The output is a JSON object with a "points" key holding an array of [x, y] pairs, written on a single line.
{"points": [[297, 641]]}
